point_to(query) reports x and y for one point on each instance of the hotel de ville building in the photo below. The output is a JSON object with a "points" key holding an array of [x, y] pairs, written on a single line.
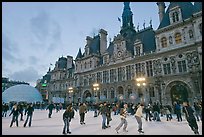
{"points": [[163, 65]]}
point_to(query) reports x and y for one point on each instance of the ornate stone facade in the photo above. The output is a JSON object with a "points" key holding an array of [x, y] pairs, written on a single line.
{"points": [[170, 59]]}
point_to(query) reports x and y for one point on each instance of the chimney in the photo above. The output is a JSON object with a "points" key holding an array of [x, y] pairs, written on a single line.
{"points": [[88, 40], [161, 6], [103, 40], [69, 62]]}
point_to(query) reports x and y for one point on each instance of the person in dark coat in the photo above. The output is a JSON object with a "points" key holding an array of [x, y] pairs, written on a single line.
{"points": [[67, 116], [190, 117], [20, 106], [82, 111], [50, 108], [29, 112], [6, 108], [108, 114], [15, 111]]}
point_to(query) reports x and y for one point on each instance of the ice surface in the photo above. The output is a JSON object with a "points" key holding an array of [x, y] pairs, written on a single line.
{"points": [[42, 125]]}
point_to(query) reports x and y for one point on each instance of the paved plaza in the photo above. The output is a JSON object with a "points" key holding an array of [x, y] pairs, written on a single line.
{"points": [[42, 125]]}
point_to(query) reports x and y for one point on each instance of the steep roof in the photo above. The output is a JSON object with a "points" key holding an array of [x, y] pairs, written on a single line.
{"points": [[197, 7], [147, 37], [79, 54], [95, 45], [110, 48], [187, 10]]}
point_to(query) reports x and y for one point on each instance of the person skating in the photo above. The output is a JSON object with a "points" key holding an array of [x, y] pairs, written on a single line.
{"points": [[190, 117], [103, 111], [82, 111], [67, 116], [108, 115], [50, 108], [123, 115], [15, 111], [29, 112], [138, 116]]}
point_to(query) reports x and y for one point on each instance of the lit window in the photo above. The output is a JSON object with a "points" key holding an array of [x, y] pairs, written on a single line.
{"points": [[164, 42], [178, 38]]}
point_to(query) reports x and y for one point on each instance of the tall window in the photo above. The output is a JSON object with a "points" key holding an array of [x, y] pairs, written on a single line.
{"points": [[112, 75], [85, 65], [175, 17], [138, 69], [105, 76], [99, 78], [90, 63], [190, 32], [167, 68], [137, 49], [120, 74], [178, 38], [151, 92], [128, 72], [149, 68], [182, 66], [85, 82], [112, 93], [200, 28], [164, 42], [105, 93]]}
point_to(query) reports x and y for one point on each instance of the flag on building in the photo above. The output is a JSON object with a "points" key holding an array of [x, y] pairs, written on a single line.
{"points": [[119, 19]]}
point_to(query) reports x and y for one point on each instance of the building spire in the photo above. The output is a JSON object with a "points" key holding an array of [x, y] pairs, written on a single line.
{"points": [[127, 16], [79, 55]]}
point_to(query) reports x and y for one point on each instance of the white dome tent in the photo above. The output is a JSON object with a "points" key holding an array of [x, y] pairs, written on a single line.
{"points": [[21, 93]]}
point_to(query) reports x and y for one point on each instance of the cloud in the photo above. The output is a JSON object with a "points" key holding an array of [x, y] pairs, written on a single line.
{"points": [[46, 31], [40, 26], [9, 50], [29, 75], [33, 60]]}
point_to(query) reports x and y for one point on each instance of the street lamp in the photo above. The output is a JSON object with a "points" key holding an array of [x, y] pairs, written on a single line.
{"points": [[95, 88], [71, 91], [141, 82]]}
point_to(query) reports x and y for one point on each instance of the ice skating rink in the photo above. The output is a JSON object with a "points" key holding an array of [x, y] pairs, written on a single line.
{"points": [[42, 125]]}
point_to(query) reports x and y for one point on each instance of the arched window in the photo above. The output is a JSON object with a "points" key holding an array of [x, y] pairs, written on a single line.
{"points": [[178, 38], [170, 40], [175, 17], [164, 42], [190, 32]]}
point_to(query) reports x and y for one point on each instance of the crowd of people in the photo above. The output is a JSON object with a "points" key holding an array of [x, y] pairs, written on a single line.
{"points": [[150, 112]]}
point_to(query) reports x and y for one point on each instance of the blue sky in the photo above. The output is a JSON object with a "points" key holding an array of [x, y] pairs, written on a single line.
{"points": [[36, 34]]}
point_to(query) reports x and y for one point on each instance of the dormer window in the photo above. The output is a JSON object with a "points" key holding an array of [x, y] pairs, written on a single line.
{"points": [[175, 16], [137, 50], [178, 38], [163, 42]]}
